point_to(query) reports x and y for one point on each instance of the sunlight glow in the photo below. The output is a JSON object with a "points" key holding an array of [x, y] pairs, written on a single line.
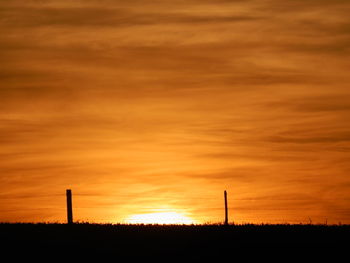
{"points": [[160, 218]]}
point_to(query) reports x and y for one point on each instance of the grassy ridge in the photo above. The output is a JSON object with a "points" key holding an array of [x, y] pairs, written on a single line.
{"points": [[172, 242]]}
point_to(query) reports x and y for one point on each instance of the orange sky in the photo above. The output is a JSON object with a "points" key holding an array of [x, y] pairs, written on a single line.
{"points": [[159, 106]]}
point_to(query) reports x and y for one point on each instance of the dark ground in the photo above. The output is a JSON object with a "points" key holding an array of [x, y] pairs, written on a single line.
{"points": [[176, 243]]}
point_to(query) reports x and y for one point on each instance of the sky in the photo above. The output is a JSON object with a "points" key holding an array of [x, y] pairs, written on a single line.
{"points": [[153, 107]]}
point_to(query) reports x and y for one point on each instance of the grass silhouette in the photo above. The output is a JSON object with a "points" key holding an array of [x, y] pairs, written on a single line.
{"points": [[168, 242]]}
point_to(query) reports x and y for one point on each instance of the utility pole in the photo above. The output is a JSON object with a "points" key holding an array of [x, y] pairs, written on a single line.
{"points": [[69, 206], [226, 209]]}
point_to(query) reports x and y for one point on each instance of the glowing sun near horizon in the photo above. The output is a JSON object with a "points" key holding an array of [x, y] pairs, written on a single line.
{"points": [[168, 218]]}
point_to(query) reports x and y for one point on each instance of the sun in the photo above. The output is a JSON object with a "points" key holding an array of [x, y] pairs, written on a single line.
{"points": [[160, 218]]}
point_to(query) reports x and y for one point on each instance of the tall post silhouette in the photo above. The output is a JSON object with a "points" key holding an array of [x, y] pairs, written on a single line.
{"points": [[69, 206], [226, 209]]}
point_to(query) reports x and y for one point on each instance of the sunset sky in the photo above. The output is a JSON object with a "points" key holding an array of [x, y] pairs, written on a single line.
{"points": [[146, 107]]}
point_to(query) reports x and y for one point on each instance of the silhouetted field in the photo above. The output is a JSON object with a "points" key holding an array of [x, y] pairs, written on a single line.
{"points": [[164, 243]]}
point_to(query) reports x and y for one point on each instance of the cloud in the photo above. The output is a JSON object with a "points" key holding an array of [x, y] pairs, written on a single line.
{"points": [[174, 101], [318, 103], [104, 16], [335, 138]]}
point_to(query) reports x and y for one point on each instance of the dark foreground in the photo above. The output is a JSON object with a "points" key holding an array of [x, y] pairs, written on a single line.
{"points": [[161, 243]]}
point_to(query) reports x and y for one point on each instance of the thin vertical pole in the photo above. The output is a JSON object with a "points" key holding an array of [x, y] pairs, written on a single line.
{"points": [[69, 206], [226, 209]]}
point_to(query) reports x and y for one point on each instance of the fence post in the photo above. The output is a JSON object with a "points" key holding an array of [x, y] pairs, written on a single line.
{"points": [[69, 206], [226, 209]]}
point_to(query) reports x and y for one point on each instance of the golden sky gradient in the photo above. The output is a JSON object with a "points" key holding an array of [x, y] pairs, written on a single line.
{"points": [[159, 106]]}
